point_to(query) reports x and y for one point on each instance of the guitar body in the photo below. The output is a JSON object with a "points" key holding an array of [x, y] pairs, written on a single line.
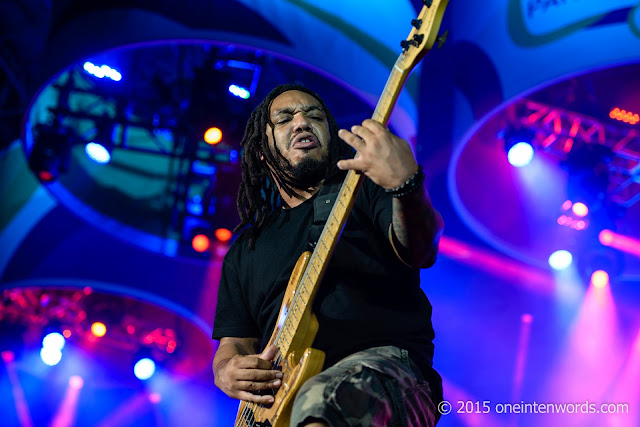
{"points": [[301, 363]]}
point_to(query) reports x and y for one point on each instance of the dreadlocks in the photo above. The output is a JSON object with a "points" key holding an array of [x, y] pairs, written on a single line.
{"points": [[258, 195]]}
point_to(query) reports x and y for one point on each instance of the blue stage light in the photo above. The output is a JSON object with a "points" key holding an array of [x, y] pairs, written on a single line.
{"points": [[239, 91], [194, 206], [53, 340], [520, 154], [50, 356], [233, 156], [144, 368], [102, 71], [560, 260], [97, 152]]}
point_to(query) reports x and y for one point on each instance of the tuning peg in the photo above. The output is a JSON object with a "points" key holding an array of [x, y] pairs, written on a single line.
{"points": [[427, 3], [442, 38], [405, 45], [416, 23], [417, 39]]}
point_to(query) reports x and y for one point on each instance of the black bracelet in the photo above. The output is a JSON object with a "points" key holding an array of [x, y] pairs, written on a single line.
{"points": [[411, 185]]}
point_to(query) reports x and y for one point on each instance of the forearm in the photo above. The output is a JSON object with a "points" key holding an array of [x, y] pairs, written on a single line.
{"points": [[416, 228]]}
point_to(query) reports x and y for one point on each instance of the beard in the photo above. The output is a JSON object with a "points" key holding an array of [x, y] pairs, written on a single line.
{"points": [[307, 173]]}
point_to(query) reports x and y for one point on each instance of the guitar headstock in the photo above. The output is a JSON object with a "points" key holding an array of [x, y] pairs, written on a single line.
{"points": [[423, 35]]}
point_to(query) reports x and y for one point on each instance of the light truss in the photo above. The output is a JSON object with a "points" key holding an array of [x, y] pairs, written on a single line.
{"points": [[557, 131]]}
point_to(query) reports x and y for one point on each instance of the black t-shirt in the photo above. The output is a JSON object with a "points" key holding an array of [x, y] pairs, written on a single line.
{"points": [[367, 298]]}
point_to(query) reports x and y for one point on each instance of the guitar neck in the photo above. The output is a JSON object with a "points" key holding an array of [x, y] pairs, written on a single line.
{"points": [[317, 266]]}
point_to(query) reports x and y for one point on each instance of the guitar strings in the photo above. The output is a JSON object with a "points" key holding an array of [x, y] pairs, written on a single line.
{"points": [[255, 408]]}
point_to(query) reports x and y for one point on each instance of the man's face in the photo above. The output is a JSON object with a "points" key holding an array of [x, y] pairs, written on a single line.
{"points": [[301, 133]]}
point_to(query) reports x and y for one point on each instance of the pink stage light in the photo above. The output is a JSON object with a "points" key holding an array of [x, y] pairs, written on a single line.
{"points": [[128, 411], [22, 408], [76, 382], [501, 266], [593, 354], [521, 355], [8, 356], [600, 278], [620, 242], [627, 388], [66, 414], [580, 209]]}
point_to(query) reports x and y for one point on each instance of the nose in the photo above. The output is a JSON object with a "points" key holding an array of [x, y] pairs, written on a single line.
{"points": [[301, 123]]}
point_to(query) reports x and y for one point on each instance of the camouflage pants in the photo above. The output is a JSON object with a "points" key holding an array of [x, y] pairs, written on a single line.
{"points": [[374, 387]]}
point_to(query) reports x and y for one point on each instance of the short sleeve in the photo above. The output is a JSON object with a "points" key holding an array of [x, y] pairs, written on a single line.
{"points": [[233, 318], [380, 205]]}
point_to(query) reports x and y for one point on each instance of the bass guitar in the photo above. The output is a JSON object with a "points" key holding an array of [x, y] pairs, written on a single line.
{"points": [[297, 325]]}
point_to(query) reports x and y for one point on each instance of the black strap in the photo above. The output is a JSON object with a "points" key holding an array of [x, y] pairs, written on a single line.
{"points": [[322, 206]]}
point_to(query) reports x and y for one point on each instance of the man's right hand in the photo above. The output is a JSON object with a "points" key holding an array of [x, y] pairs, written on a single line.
{"points": [[240, 376]]}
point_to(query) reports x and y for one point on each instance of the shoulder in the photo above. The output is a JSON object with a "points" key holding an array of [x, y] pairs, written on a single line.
{"points": [[240, 245]]}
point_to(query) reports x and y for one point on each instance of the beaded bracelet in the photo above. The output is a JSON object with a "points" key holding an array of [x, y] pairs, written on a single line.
{"points": [[411, 185]]}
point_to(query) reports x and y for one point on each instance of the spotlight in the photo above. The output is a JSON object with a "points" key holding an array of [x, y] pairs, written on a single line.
{"points": [[624, 116], [212, 136], [239, 91], [50, 356], [98, 329], [574, 215], [144, 368], [102, 71], [200, 243], [197, 232], [526, 318], [560, 260], [100, 148], [580, 209], [76, 382], [599, 264], [517, 143], [53, 340], [98, 152], [600, 278], [223, 234], [520, 154]]}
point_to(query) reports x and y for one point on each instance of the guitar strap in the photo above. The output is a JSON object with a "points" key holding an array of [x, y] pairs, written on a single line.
{"points": [[322, 206]]}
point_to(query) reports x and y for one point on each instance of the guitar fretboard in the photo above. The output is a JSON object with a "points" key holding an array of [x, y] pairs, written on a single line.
{"points": [[317, 266]]}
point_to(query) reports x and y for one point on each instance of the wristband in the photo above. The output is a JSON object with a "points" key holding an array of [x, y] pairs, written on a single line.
{"points": [[410, 185]]}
